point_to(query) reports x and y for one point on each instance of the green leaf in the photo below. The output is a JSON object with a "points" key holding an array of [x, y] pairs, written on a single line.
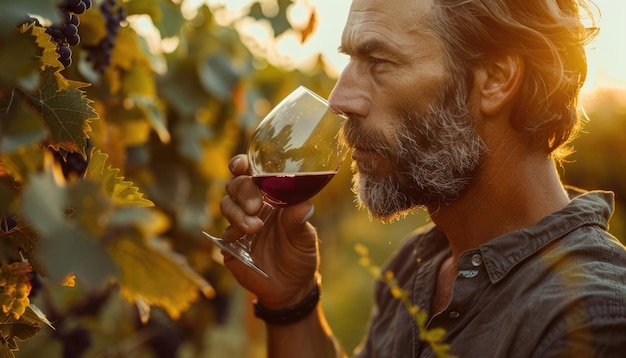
{"points": [[65, 112], [66, 244], [280, 22], [144, 7], [171, 21], [19, 70], [13, 12], [20, 125], [22, 240], [9, 193], [190, 137], [154, 112], [183, 96], [120, 191], [218, 76]]}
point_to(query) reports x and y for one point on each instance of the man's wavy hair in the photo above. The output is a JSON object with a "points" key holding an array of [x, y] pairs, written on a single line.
{"points": [[549, 36]]}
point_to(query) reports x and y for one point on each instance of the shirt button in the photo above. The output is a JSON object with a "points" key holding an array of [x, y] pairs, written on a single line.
{"points": [[454, 314], [477, 260]]}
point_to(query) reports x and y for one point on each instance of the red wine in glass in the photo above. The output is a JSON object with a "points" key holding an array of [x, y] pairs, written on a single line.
{"points": [[283, 190]]}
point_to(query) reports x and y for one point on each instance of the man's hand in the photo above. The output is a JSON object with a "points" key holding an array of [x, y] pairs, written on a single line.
{"points": [[285, 245]]}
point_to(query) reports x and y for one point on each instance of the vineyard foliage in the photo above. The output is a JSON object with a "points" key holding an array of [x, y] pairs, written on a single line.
{"points": [[154, 129], [111, 168]]}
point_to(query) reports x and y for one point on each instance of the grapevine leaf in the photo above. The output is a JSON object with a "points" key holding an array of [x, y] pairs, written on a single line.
{"points": [[9, 193], [12, 12], [144, 7], [279, 22], [65, 112], [23, 161], [18, 70], [184, 96], [37, 313], [171, 21], [138, 81], [155, 115], [47, 49], [90, 206], [23, 328], [218, 76], [92, 28], [21, 125], [154, 274], [22, 240], [128, 50], [65, 246], [120, 191], [44, 200], [190, 136]]}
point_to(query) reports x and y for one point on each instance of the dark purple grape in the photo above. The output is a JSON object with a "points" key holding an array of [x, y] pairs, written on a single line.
{"points": [[66, 62], [74, 20], [70, 30], [72, 3], [87, 4], [64, 51], [79, 9], [55, 33], [74, 40], [100, 55]]}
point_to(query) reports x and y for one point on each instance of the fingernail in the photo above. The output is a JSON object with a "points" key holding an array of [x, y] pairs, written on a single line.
{"points": [[309, 214], [252, 221], [233, 164]]}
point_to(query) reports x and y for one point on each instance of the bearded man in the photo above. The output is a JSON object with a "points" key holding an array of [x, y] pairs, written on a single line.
{"points": [[461, 107]]}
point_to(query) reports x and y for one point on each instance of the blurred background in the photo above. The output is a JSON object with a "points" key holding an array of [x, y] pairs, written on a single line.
{"points": [[209, 71]]}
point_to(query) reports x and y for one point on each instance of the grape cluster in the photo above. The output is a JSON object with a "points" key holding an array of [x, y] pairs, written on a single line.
{"points": [[100, 55], [15, 287], [66, 33]]}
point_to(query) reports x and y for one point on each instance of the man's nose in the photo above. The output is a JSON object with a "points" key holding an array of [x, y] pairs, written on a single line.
{"points": [[349, 96]]}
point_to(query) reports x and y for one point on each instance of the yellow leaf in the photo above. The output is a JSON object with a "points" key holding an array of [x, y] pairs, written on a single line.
{"points": [[120, 191], [151, 273]]}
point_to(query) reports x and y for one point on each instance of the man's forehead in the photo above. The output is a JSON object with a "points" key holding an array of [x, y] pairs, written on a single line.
{"points": [[399, 13], [384, 20], [398, 7]]}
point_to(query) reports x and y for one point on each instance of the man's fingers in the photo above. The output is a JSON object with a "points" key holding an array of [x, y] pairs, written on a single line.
{"points": [[239, 219]]}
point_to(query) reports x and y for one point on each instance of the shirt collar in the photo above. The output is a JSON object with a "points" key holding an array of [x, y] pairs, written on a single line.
{"points": [[503, 253]]}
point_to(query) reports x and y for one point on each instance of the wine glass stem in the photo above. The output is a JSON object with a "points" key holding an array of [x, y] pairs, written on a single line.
{"points": [[247, 242]]}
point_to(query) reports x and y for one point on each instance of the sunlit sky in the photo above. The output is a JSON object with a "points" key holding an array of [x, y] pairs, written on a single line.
{"points": [[606, 55]]}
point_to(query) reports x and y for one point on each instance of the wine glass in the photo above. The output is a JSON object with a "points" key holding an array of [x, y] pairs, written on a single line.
{"points": [[293, 153]]}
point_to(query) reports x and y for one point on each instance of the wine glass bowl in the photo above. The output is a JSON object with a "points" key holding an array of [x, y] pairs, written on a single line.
{"points": [[293, 153]]}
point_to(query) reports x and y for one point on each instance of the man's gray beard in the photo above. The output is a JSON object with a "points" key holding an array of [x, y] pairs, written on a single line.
{"points": [[435, 156]]}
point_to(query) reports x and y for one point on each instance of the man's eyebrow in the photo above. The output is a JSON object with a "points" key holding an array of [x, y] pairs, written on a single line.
{"points": [[365, 48]]}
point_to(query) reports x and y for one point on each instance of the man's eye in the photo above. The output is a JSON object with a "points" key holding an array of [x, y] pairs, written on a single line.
{"points": [[376, 60]]}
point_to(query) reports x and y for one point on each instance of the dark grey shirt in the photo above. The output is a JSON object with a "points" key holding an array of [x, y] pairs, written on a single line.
{"points": [[557, 289]]}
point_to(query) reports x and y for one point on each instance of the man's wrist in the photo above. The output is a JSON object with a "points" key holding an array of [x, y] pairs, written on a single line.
{"points": [[291, 314]]}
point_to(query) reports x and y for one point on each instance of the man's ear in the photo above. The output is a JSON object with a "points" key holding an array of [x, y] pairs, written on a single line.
{"points": [[499, 82]]}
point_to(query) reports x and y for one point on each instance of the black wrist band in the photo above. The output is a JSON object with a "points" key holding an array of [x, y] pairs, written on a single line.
{"points": [[290, 314]]}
